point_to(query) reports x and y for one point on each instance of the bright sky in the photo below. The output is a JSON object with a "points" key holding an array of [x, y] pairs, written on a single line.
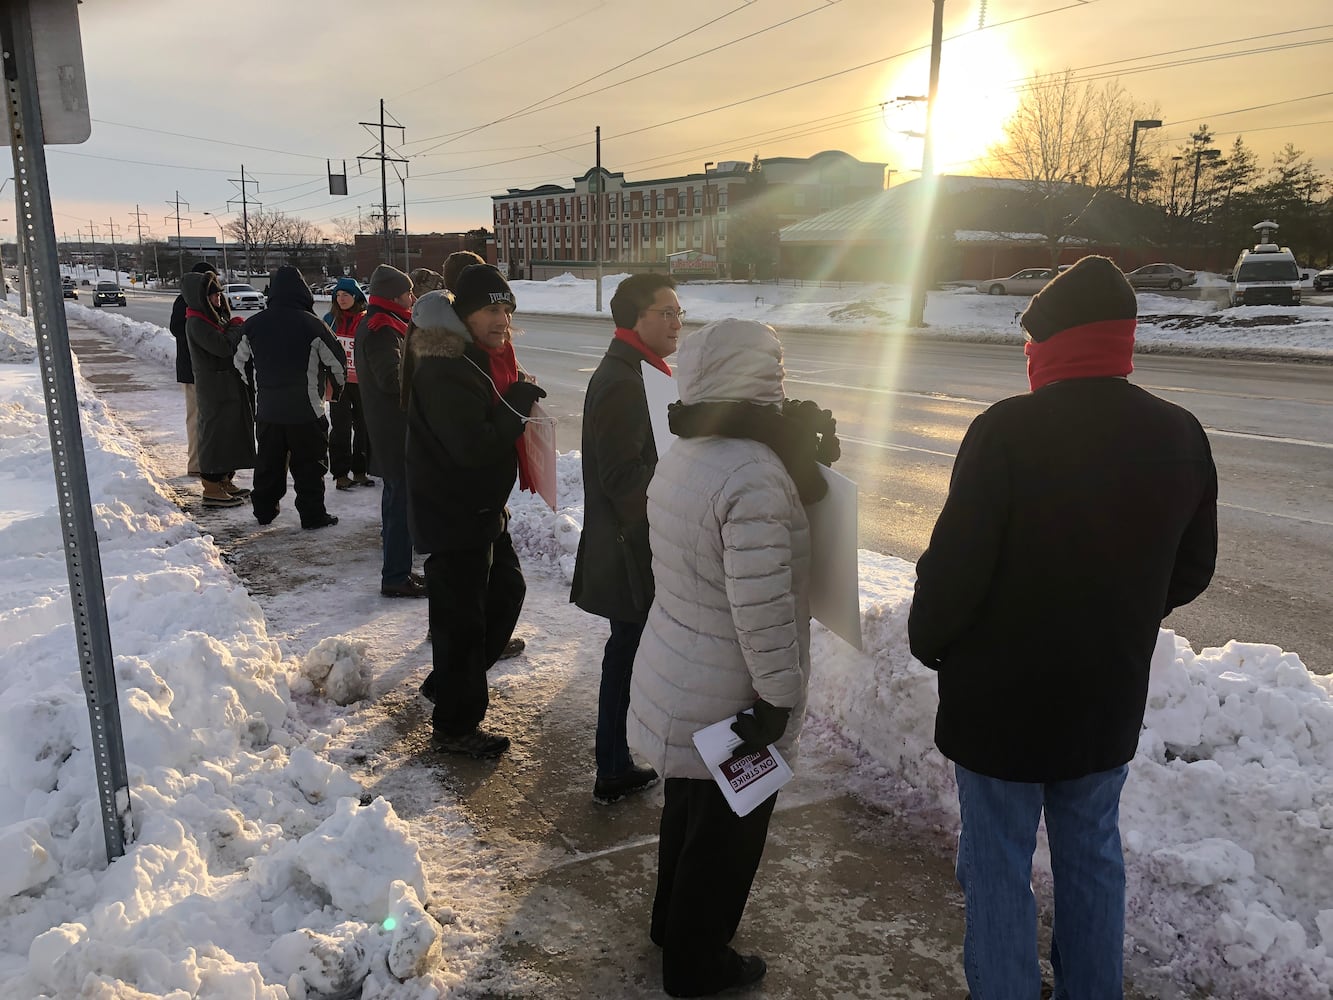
{"points": [[508, 94]]}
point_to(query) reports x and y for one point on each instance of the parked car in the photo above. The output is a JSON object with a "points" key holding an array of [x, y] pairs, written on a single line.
{"points": [[1169, 276], [1028, 281], [242, 297], [1323, 280], [108, 293], [71, 292]]}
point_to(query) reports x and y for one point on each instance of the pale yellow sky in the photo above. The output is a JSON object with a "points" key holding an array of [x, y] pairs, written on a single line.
{"points": [[507, 94]]}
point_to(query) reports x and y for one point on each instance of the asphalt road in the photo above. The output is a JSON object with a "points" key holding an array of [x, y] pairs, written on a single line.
{"points": [[903, 405]]}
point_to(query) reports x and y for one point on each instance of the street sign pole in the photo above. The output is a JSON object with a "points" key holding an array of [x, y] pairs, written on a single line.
{"points": [[26, 77]]}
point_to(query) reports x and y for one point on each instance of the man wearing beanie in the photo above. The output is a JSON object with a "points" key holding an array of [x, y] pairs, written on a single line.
{"points": [[455, 264], [466, 402], [377, 351], [613, 575], [1079, 515]]}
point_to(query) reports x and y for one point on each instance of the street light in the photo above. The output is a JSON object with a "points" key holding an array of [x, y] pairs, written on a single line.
{"points": [[1133, 144], [223, 233]]}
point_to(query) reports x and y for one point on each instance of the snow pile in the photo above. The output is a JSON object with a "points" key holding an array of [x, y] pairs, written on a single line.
{"points": [[337, 668], [243, 832]]}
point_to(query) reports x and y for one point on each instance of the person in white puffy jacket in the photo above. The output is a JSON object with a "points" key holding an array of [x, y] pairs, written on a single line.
{"points": [[728, 630]]}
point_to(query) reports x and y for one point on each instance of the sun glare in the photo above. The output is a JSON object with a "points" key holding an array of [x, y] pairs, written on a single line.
{"points": [[978, 93]]}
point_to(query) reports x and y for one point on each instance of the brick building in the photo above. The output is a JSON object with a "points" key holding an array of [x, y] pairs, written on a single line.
{"points": [[542, 231], [422, 250]]}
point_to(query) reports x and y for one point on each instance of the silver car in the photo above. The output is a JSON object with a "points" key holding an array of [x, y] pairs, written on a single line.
{"points": [[1028, 281], [1169, 276], [242, 297]]}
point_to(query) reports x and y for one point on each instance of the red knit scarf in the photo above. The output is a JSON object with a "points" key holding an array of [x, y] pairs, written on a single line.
{"points": [[394, 316], [192, 311], [632, 338], [504, 373], [1094, 350]]}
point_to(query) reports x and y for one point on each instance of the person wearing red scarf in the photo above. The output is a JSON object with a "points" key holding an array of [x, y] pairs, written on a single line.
{"points": [[613, 576], [377, 352], [1079, 515], [466, 402]]}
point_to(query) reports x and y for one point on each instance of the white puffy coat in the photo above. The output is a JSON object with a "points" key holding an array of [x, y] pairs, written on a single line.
{"points": [[730, 621]]}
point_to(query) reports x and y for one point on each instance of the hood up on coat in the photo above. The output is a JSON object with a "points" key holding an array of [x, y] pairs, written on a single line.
{"points": [[434, 332], [731, 360], [288, 288], [195, 289]]}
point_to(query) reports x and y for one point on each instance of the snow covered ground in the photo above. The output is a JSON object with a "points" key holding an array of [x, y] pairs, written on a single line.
{"points": [[257, 869]]}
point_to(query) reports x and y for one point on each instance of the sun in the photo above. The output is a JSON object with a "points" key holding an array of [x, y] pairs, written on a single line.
{"points": [[979, 92]]}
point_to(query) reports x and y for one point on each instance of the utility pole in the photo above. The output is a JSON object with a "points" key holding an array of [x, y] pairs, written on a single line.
{"points": [[180, 249], [115, 255], [384, 159], [138, 224], [929, 183], [245, 220], [97, 261], [597, 220], [407, 252]]}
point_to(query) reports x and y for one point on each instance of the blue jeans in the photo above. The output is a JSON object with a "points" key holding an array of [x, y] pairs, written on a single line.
{"points": [[612, 749], [394, 533], [999, 835]]}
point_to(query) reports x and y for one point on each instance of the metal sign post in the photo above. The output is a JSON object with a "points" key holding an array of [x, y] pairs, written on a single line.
{"points": [[30, 73]]}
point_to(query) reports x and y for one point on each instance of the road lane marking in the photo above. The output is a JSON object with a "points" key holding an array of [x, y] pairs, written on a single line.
{"points": [[1271, 513], [1269, 438]]}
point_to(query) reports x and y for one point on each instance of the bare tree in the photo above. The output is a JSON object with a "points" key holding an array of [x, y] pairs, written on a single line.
{"points": [[1068, 143], [345, 229]]}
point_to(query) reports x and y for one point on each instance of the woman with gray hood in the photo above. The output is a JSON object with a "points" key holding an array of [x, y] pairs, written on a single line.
{"points": [[226, 429], [728, 632], [466, 404]]}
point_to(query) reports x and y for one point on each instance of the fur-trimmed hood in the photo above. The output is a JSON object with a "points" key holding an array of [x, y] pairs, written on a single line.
{"points": [[435, 332]]}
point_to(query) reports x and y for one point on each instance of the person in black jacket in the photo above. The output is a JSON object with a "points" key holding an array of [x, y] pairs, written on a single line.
{"points": [[613, 575], [1078, 516], [466, 406], [292, 352], [185, 371], [378, 353]]}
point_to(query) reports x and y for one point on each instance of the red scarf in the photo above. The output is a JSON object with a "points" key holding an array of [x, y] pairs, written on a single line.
{"points": [[632, 338], [192, 311], [1094, 350], [504, 373], [394, 316]]}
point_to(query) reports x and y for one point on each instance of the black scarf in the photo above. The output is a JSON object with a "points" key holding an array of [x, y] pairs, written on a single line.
{"points": [[800, 434]]}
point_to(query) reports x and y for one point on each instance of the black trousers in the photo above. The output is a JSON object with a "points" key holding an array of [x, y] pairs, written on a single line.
{"points": [[475, 596], [347, 435], [707, 857], [301, 447]]}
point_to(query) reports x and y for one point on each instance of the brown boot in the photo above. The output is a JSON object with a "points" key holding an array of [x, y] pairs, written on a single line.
{"points": [[216, 495]]}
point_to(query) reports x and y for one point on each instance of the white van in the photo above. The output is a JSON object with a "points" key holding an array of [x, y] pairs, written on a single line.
{"points": [[1266, 275]]}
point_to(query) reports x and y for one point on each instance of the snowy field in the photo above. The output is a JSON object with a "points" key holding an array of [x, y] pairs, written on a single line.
{"points": [[257, 870]]}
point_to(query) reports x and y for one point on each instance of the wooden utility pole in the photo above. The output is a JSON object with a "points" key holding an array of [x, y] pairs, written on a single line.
{"points": [[922, 273], [384, 159]]}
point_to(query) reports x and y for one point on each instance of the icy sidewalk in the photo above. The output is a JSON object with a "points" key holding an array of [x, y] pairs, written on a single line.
{"points": [[543, 892]]}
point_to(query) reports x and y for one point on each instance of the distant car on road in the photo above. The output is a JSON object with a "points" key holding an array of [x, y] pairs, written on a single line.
{"points": [[70, 291], [1168, 276], [1323, 280], [108, 293], [1028, 281], [242, 297]]}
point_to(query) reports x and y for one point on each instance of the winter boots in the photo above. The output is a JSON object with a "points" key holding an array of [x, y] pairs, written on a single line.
{"points": [[217, 495]]}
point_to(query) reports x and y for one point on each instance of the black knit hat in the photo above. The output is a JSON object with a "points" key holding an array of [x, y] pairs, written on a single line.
{"points": [[204, 267], [1091, 291], [478, 287]]}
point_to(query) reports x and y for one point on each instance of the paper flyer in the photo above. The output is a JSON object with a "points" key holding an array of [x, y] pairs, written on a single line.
{"points": [[745, 779]]}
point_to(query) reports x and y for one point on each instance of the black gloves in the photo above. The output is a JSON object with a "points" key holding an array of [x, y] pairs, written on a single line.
{"points": [[522, 395], [765, 726], [820, 422]]}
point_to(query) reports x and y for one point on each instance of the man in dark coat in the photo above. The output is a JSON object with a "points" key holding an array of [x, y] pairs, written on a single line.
{"points": [[293, 352], [613, 570], [378, 353], [466, 403], [1079, 515], [185, 371]]}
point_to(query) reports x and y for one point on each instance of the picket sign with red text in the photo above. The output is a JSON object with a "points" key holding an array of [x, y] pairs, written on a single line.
{"points": [[746, 780]]}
